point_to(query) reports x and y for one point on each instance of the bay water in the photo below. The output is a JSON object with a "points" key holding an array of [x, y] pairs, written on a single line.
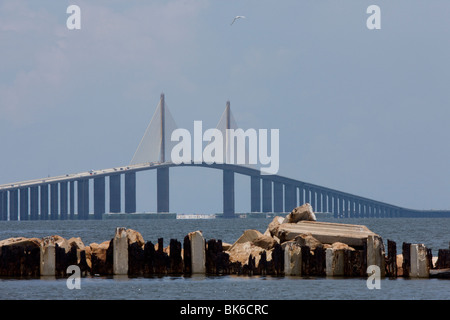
{"points": [[433, 232]]}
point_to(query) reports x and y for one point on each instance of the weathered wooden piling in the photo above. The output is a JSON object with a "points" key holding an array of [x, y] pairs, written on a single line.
{"points": [[64, 257], [149, 258], [187, 268], [175, 258], [263, 264], [277, 260], [443, 261], [355, 263], [102, 258], [313, 263], [391, 260], [161, 261], [20, 257], [375, 253], [406, 266], [136, 260], [217, 261]]}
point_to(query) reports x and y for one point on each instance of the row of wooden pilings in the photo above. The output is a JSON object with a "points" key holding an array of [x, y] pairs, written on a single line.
{"points": [[125, 254]]}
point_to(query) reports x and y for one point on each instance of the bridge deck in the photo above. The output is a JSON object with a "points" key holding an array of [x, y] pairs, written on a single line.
{"points": [[244, 170]]}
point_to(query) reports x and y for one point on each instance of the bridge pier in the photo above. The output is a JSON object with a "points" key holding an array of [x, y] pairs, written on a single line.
{"points": [[267, 195], [72, 200], [130, 192], [347, 207], [313, 199], [54, 201], [4, 205], [324, 202], [63, 200], [162, 192], [228, 194], [382, 212], [301, 195], [34, 203], [341, 207], [44, 201], [114, 194], [307, 198], [278, 198], [23, 204], [255, 196], [329, 202], [99, 197], [83, 199], [13, 204], [290, 197], [335, 212], [352, 208], [391, 212]]}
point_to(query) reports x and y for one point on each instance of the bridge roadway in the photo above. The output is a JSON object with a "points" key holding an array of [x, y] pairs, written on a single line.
{"points": [[269, 193]]}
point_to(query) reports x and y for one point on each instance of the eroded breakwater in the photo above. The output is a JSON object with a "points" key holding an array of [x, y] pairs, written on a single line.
{"points": [[294, 245]]}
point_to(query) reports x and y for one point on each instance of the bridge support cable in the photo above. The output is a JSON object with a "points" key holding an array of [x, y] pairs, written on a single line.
{"points": [[156, 143]]}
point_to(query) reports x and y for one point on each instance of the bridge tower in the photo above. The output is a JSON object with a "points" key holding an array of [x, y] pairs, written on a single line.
{"points": [[228, 175], [152, 148], [162, 174]]}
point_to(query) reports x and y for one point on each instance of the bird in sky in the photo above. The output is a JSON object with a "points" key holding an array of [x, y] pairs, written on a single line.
{"points": [[235, 18]]}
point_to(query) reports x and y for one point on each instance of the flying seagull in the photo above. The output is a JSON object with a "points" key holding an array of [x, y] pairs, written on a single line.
{"points": [[237, 17]]}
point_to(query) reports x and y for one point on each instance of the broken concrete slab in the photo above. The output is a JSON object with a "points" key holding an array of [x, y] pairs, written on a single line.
{"points": [[326, 232]]}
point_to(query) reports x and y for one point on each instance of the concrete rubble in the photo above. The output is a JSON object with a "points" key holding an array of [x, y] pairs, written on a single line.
{"points": [[295, 245]]}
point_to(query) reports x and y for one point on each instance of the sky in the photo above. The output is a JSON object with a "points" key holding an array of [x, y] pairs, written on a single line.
{"points": [[358, 110]]}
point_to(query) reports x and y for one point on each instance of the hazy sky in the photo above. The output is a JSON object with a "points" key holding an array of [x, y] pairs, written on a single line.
{"points": [[362, 111]]}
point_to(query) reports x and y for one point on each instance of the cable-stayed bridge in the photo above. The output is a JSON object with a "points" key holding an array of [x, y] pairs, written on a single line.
{"points": [[68, 196]]}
